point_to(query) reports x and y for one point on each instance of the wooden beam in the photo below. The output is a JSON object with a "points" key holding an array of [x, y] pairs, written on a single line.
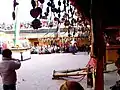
{"points": [[112, 27]]}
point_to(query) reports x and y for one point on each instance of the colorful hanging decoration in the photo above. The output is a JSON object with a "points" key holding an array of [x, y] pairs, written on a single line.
{"points": [[35, 13], [83, 6], [41, 1], [71, 18], [15, 3]]}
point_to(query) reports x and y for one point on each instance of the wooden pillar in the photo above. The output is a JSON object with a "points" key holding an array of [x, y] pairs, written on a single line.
{"points": [[98, 45]]}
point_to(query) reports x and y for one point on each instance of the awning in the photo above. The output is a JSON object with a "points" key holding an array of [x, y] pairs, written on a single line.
{"points": [[49, 35]]}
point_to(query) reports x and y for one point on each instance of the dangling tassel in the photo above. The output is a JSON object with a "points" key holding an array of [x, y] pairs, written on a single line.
{"points": [[89, 78]]}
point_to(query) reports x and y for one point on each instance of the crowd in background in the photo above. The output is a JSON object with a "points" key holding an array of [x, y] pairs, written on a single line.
{"points": [[25, 25], [57, 49], [6, 26], [10, 26], [65, 46]]}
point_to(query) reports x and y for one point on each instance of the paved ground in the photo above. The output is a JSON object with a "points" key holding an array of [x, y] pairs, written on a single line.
{"points": [[36, 74]]}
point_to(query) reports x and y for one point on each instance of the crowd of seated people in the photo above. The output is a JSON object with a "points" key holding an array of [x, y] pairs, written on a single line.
{"points": [[48, 49], [45, 49], [61, 45]]}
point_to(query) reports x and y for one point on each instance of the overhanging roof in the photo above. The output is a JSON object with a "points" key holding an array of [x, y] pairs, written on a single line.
{"points": [[111, 8], [112, 27]]}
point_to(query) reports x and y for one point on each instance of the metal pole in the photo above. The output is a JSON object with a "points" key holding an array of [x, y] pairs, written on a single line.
{"points": [[16, 27], [21, 53]]}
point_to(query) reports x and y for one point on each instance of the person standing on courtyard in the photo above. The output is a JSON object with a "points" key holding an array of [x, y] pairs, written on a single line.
{"points": [[8, 65]]}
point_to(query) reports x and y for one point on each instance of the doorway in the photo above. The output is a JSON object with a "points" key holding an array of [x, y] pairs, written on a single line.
{"points": [[36, 43]]}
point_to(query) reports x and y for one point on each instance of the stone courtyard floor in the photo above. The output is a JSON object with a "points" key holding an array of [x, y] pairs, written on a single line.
{"points": [[36, 73]]}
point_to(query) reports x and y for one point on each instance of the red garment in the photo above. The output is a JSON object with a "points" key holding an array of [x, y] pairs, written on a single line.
{"points": [[92, 62], [4, 46], [21, 25]]}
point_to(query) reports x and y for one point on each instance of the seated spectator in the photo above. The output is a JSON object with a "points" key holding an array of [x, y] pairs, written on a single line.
{"points": [[71, 85]]}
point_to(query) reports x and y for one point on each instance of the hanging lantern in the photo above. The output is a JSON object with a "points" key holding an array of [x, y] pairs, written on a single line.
{"points": [[63, 19], [52, 10], [36, 23], [65, 8], [69, 29], [51, 0], [74, 32], [46, 14], [64, 2], [56, 19], [44, 17], [39, 10], [13, 15], [52, 5], [56, 10], [49, 4], [59, 3], [41, 1], [59, 15], [59, 9], [71, 9], [40, 16], [67, 2], [67, 23], [33, 3], [35, 13], [65, 15], [69, 34], [51, 24], [47, 9], [73, 21], [15, 3]]}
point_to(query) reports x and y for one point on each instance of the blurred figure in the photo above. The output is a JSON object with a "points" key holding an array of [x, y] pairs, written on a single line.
{"points": [[71, 85], [116, 86], [8, 65], [117, 63], [73, 49]]}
